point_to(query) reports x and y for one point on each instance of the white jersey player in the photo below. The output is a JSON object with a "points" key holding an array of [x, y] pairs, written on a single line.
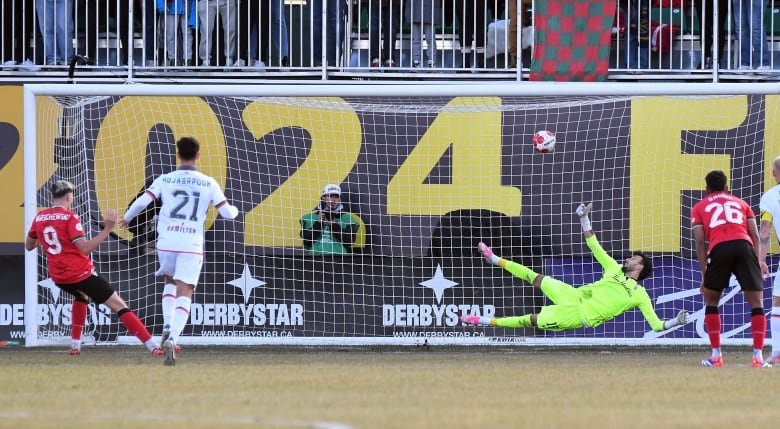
{"points": [[186, 195], [770, 216]]}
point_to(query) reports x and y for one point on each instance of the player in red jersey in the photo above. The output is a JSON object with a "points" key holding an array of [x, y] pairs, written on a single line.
{"points": [[729, 225], [59, 232]]}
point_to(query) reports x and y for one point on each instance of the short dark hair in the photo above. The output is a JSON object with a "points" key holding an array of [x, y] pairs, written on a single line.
{"points": [[647, 266], [188, 148], [716, 181], [61, 188]]}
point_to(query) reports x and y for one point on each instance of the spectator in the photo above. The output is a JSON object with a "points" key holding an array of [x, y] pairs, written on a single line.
{"points": [[180, 19], [19, 20], [55, 18], [383, 16], [471, 17], [255, 19], [101, 12], [422, 15], [335, 31], [753, 46], [638, 35], [228, 12], [329, 229], [280, 43], [704, 10]]}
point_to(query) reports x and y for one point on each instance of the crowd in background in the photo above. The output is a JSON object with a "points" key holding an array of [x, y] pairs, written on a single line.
{"points": [[369, 35]]}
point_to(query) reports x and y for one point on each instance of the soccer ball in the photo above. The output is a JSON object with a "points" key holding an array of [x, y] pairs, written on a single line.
{"points": [[544, 141]]}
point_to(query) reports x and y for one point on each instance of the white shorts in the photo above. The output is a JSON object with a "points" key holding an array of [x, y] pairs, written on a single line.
{"points": [[184, 267]]}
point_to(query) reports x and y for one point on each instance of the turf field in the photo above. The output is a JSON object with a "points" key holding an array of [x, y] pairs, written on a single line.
{"points": [[412, 387]]}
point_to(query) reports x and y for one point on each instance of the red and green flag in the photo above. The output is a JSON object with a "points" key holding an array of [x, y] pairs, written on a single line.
{"points": [[572, 40]]}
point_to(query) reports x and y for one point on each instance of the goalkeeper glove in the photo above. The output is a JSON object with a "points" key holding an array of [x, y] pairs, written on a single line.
{"points": [[485, 251], [583, 211], [681, 319]]}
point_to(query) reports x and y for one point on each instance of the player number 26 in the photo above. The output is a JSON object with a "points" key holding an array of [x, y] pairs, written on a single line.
{"points": [[728, 212]]}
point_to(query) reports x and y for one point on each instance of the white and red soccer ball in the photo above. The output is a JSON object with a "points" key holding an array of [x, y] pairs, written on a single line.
{"points": [[544, 141]]}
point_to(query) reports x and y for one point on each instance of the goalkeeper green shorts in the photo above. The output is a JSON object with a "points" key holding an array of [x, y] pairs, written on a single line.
{"points": [[565, 314]]}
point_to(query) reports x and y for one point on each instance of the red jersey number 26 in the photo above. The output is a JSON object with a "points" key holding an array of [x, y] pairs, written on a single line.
{"points": [[728, 212]]}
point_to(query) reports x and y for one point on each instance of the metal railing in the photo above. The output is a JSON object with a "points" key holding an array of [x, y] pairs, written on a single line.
{"points": [[334, 39]]}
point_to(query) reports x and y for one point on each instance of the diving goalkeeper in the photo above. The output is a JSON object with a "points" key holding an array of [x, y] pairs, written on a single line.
{"points": [[586, 306]]}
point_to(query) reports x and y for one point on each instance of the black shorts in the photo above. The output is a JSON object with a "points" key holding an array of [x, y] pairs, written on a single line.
{"points": [[94, 286], [733, 257]]}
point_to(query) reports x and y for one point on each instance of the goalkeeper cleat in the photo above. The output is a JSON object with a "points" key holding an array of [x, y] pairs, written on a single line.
{"points": [[760, 363], [487, 253], [712, 361], [74, 351], [470, 319], [169, 353]]}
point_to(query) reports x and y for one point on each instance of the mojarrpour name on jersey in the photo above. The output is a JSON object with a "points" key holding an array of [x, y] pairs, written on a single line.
{"points": [[52, 216], [186, 181]]}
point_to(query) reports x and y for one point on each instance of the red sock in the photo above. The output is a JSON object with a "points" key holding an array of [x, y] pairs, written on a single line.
{"points": [[134, 326], [758, 330], [712, 323], [78, 319]]}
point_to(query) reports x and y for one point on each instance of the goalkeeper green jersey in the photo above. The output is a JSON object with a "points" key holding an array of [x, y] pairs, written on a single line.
{"points": [[614, 293]]}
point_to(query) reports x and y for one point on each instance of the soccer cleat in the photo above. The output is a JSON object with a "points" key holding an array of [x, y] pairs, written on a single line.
{"points": [[760, 363], [485, 251], [74, 351], [169, 353], [716, 362], [166, 334], [774, 360], [470, 319], [158, 352]]}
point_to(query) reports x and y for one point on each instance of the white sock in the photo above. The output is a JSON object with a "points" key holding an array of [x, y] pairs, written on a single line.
{"points": [[774, 325], [180, 315], [168, 302], [484, 320], [75, 344], [151, 344]]}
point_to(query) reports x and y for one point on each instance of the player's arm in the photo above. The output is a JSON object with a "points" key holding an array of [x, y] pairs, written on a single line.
{"points": [[30, 243], [764, 234], [87, 246], [599, 253], [221, 203], [137, 207], [656, 324], [701, 245]]}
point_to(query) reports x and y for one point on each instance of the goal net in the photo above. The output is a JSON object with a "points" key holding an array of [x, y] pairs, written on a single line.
{"points": [[427, 171]]}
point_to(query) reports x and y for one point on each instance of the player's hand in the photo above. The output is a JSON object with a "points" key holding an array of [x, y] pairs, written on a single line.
{"points": [[764, 269], [583, 210], [681, 319], [109, 219]]}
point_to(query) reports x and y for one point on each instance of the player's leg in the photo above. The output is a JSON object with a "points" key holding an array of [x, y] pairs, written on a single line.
{"points": [[748, 274], [167, 261], [78, 319], [716, 278], [101, 292], [186, 276], [525, 321], [559, 317], [517, 270], [774, 358]]}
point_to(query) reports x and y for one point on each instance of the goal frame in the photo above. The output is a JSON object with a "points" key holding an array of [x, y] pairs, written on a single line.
{"points": [[337, 89]]}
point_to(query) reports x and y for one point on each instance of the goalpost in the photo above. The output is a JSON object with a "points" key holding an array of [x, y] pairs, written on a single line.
{"points": [[429, 170]]}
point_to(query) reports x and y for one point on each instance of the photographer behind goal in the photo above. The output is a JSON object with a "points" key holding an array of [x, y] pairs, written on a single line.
{"points": [[329, 229]]}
